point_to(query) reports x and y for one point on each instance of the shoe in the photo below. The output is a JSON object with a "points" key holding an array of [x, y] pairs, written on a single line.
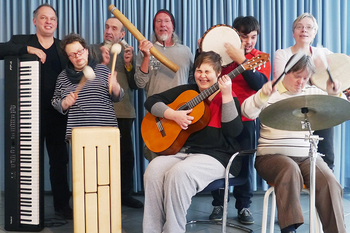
{"points": [[132, 202], [245, 216], [217, 213], [66, 212]]}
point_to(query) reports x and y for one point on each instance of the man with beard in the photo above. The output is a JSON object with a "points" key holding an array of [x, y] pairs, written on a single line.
{"points": [[150, 73], [154, 76]]}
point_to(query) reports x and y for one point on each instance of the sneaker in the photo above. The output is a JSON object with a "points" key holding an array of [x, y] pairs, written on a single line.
{"points": [[245, 216], [216, 215]]}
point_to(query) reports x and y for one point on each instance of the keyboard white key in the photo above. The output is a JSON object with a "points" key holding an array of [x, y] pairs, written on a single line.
{"points": [[29, 142]]}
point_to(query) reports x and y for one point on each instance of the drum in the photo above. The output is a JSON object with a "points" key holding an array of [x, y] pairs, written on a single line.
{"points": [[215, 38], [339, 67]]}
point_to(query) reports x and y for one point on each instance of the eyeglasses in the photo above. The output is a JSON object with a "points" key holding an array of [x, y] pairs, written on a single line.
{"points": [[77, 54], [301, 27]]}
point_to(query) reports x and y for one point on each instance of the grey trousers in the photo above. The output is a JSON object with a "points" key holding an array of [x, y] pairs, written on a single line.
{"points": [[170, 182], [289, 175]]}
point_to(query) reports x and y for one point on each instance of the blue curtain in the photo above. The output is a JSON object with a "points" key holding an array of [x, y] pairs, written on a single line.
{"points": [[193, 18]]}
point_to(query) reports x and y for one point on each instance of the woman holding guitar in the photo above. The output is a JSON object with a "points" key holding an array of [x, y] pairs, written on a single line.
{"points": [[171, 181]]}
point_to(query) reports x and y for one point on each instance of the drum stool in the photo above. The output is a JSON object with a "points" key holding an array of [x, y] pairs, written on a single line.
{"points": [[271, 191], [96, 180]]}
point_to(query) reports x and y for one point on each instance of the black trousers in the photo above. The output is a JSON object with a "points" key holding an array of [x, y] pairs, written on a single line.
{"points": [[126, 156], [53, 131], [326, 146], [242, 193]]}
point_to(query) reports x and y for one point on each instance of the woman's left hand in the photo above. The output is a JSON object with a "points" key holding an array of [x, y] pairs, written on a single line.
{"points": [[225, 85]]}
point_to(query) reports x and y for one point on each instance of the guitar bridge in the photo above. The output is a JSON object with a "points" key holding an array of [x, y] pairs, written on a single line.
{"points": [[160, 127]]}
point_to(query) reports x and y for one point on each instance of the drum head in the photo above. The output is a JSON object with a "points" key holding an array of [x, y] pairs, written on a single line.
{"points": [[339, 67], [215, 38]]}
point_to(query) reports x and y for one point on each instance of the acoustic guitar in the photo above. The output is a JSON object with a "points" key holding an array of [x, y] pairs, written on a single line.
{"points": [[165, 137]]}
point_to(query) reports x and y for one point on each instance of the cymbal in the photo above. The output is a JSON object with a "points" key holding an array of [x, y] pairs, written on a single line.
{"points": [[323, 112], [339, 67]]}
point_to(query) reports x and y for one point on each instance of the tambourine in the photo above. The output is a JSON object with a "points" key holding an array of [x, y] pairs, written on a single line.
{"points": [[215, 38], [339, 67]]}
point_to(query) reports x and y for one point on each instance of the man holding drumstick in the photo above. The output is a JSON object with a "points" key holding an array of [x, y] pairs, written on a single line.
{"points": [[124, 110], [244, 85], [282, 155]]}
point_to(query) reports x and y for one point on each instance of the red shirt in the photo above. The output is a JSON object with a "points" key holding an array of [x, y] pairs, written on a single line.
{"points": [[239, 85]]}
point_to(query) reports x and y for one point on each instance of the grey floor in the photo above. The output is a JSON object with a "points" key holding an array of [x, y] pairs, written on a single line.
{"points": [[200, 209]]}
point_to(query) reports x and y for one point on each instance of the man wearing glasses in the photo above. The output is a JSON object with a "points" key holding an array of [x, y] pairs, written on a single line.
{"points": [[53, 124]]}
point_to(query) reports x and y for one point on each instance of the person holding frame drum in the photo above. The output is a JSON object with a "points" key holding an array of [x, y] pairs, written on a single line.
{"points": [[239, 49]]}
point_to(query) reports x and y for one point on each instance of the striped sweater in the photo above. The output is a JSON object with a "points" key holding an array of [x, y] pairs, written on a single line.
{"points": [[94, 105]]}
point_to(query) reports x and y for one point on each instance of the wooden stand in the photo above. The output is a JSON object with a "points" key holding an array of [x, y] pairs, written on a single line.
{"points": [[96, 180]]}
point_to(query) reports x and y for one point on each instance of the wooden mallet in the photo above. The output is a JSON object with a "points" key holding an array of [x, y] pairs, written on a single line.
{"points": [[115, 50], [89, 74]]}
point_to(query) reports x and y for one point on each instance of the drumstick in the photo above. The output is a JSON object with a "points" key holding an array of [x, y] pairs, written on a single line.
{"points": [[89, 74], [273, 84], [115, 50], [323, 58], [291, 63], [137, 34], [329, 75]]}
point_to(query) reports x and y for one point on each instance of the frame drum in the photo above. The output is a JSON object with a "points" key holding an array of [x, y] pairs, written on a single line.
{"points": [[215, 38], [339, 67]]}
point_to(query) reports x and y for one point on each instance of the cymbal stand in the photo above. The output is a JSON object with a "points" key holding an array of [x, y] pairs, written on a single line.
{"points": [[313, 140]]}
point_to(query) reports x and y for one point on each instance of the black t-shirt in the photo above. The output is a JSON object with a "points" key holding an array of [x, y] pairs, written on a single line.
{"points": [[49, 72]]}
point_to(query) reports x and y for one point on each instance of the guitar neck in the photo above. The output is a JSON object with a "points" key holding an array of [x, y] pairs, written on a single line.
{"points": [[210, 90]]}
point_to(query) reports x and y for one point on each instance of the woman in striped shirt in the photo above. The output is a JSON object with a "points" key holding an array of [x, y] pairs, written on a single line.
{"points": [[92, 105]]}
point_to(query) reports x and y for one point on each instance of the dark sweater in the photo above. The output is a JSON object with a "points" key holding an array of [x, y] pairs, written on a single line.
{"points": [[50, 69], [218, 138]]}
